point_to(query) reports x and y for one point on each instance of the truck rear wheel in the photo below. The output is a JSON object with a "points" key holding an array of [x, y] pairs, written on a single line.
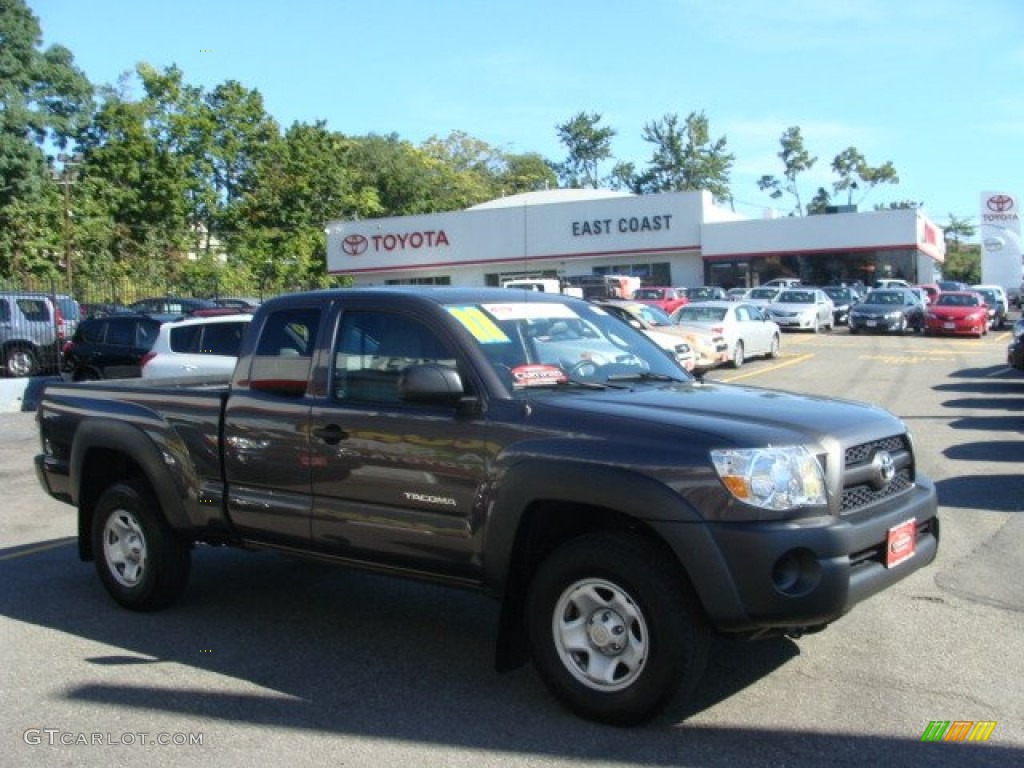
{"points": [[141, 561], [614, 628]]}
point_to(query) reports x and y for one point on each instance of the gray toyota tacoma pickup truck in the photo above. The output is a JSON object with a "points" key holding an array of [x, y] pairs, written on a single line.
{"points": [[527, 445]]}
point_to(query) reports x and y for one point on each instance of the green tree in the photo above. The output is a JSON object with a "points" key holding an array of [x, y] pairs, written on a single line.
{"points": [[957, 229], [795, 160], [465, 170], [899, 205], [391, 176], [527, 172], [685, 158], [299, 183], [43, 98], [855, 175], [588, 145], [963, 264]]}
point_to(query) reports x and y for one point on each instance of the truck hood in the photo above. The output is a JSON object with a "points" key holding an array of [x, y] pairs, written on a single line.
{"points": [[728, 415]]}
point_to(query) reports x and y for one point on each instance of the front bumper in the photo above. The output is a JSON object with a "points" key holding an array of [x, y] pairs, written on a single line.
{"points": [[759, 577], [874, 323]]}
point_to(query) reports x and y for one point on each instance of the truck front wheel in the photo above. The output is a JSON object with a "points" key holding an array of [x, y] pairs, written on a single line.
{"points": [[141, 561], [614, 628]]}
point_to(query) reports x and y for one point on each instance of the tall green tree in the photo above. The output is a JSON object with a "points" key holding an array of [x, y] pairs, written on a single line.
{"points": [[527, 172], [856, 176], [956, 230], [44, 98], [299, 183], [391, 176], [465, 170], [796, 160], [588, 144], [685, 158]]}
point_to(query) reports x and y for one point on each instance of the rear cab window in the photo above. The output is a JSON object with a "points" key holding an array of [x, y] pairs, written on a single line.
{"points": [[284, 352]]}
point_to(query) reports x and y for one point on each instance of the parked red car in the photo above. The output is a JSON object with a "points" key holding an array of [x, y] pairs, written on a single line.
{"points": [[667, 299], [957, 312]]}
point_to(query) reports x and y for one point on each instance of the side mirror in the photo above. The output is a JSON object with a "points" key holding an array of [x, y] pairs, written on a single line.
{"points": [[430, 383]]}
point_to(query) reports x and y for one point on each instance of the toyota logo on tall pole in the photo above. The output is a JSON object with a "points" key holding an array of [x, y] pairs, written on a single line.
{"points": [[1000, 203]]}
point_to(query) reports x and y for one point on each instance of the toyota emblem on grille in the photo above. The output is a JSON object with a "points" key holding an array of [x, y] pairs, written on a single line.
{"points": [[885, 470], [354, 245]]}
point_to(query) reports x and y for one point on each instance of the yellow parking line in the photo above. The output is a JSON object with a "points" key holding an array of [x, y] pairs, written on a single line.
{"points": [[775, 367], [35, 550]]}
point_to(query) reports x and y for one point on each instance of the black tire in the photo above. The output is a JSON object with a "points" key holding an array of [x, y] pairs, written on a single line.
{"points": [[615, 629], [21, 362], [738, 355], [141, 561]]}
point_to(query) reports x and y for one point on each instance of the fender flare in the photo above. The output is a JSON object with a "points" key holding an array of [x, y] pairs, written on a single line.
{"points": [[133, 442]]}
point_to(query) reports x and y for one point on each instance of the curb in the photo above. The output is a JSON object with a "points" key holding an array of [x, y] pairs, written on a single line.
{"points": [[22, 394]]}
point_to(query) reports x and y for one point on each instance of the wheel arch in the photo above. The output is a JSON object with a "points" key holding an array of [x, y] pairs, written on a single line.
{"points": [[543, 506], [104, 453]]}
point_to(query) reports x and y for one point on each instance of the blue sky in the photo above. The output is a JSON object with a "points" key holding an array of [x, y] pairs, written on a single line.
{"points": [[935, 86]]}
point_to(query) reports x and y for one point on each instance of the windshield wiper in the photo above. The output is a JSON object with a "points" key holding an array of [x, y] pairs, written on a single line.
{"points": [[594, 384], [645, 376]]}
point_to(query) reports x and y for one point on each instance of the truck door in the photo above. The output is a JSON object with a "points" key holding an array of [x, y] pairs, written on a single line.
{"points": [[394, 482], [266, 431]]}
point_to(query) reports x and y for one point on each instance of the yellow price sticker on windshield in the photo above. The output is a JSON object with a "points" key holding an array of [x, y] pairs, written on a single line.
{"points": [[480, 325]]}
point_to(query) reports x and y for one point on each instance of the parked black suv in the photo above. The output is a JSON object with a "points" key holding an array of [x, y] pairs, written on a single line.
{"points": [[109, 347]]}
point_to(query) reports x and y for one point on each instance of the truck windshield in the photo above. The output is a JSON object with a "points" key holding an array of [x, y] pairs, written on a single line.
{"points": [[552, 345]]}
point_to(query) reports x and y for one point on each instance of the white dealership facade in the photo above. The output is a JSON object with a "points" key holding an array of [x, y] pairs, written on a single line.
{"points": [[675, 238]]}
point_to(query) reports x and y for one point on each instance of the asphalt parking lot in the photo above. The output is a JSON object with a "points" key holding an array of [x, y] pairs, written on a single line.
{"points": [[267, 660]]}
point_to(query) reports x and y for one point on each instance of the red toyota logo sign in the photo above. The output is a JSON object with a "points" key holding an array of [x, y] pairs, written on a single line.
{"points": [[354, 245], [1000, 203]]}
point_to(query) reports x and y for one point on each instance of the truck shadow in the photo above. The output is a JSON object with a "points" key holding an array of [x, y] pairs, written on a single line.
{"points": [[335, 651]]}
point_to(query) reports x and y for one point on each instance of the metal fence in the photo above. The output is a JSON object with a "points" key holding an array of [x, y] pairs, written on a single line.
{"points": [[37, 317]]}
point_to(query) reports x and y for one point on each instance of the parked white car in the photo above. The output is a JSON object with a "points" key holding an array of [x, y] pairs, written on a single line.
{"points": [[747, 330], [197, 346], [803, 309]]}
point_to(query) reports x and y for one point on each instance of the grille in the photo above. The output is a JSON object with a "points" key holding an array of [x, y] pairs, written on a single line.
{"points": [[859, 492], [860, 454]]}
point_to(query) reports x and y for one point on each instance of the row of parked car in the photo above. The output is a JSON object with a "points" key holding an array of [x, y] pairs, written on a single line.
{"points": [[730, 328], [162, 336]]}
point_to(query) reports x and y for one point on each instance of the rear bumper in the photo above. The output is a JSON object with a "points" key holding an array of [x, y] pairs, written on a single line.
{"points": [[54, 477]]}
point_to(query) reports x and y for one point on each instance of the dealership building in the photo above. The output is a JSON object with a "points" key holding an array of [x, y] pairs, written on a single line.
{"points": [[675, 239]]}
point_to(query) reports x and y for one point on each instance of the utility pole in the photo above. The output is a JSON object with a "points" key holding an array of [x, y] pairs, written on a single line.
{"points": [[65, 177]]}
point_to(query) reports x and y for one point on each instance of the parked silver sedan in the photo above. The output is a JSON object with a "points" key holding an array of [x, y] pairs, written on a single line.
{"points": [[803, 309], [747, 330]]}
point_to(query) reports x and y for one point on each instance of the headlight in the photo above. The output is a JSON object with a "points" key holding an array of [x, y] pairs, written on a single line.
{"points": [[893, 315], [779, 478]]}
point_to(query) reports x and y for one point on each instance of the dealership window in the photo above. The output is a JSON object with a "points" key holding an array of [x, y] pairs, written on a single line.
{"points": [[443, 280], [815, 268], [659, 273]]}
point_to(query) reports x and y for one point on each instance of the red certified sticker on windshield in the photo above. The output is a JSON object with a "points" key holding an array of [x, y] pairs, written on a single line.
{"points": [[537, 375]]}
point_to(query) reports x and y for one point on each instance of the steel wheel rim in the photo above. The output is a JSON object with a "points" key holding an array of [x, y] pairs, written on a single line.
{"points": [[20, 363], [600, 635], [124, 548]]}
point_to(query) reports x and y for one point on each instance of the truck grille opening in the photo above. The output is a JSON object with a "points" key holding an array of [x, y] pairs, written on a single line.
{"points": [[867, 468]]}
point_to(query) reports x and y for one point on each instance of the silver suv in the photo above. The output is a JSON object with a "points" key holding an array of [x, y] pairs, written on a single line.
{"points": [[30, 334]]}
